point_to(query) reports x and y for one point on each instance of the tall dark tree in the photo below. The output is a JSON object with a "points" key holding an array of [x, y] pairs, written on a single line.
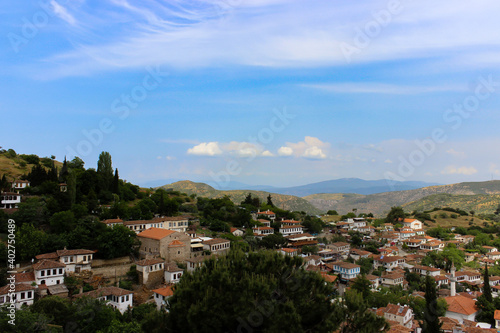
{"points": [[115, 186], [485, 302], [487, 287], [270, 201], [64, 171], [105, 170], [431, 323]]}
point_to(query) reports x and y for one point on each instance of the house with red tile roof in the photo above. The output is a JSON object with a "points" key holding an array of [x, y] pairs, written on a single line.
{"points": [[49, 272], [217, 245], [118, 298], [402, 314], [461, 308], [346, 270], [270, 214], [22, 294], [151, 267], [167, 244], [262, 231], [161, 296], [172, 273]]}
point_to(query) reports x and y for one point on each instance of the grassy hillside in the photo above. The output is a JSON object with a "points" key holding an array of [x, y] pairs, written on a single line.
{"points": [[443, 218], [480, 203], [282, 201], [15, 167], [380, 203]]}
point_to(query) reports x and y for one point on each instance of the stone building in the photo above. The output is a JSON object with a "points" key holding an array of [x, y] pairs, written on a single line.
{"points": [[167, 244]]}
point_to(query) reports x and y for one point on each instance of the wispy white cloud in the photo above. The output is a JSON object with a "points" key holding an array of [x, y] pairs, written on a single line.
{"points": [[276, 34], [62, 12], [205, 149], [381, 88], [311, 148], [454, 153], [453, 170]]}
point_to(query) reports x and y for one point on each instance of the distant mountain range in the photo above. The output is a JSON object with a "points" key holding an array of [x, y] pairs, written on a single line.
{"points": [[288, 202], [482, 197]]}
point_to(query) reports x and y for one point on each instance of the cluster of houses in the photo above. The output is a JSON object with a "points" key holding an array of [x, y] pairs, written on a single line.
{"points": [[166, 243]]}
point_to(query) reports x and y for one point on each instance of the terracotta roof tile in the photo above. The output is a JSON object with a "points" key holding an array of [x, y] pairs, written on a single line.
{"points": [[461, 304], [148, 262], [47, 264], [106, 291], [155, 233], [165, 291]]}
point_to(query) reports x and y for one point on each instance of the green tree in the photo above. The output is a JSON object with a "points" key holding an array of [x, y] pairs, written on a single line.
{"points": [[394, 214], [485, 302], [29, 241], [270, 201], [105, 170], [62, 222], [116, 242], [274, 241], [115, 186], [240, 292], [358, 317], [431, 322]]}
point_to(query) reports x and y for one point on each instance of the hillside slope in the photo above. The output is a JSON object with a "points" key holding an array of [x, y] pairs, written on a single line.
{"points": [[381, 203], [282, 201]]}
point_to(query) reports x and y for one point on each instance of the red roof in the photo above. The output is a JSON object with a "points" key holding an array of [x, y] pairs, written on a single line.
{"points": [[155, 233], [147, 262], [165, 291], [106, 291], [48, 264], [176, 243], [461, 304], [18, 287]]}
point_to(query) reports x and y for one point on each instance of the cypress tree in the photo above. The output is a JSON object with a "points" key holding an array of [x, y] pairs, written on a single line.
{"points": [[431, 323]]}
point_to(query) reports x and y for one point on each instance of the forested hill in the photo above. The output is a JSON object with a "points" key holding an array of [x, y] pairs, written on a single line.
{"points": [[379, 204], [287, 202]]}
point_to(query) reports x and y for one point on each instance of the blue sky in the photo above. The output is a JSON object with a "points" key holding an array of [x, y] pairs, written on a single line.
{"points": [[263, 92]]}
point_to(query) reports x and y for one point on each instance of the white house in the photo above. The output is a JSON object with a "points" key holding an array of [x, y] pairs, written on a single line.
{"points": [[141, 225], [270, 214], [394, 279], [9, 200], [161, 296], [112, 222], [76, 260], [217, 245], [346, 270], [289, 252], [49, 272], [22, 294], [424, 270], [263, 231], [176, 223], [173, 273], [118, 298], [402, 314], [287, 230], [388, 262], [412, 223], [148, 266], [20, 184], [461, 307]]}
